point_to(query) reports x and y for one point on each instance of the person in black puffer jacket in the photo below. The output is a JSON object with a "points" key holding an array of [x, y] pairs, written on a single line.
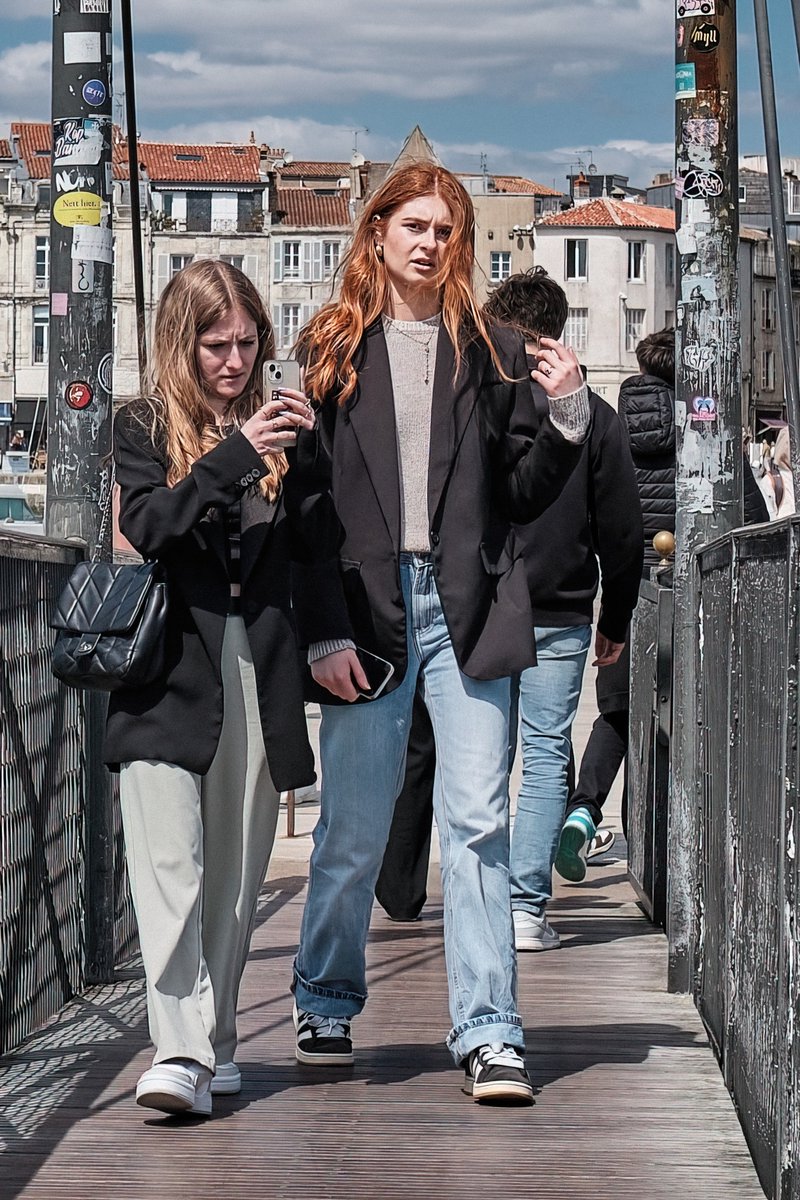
{"points": [[647, 410]]}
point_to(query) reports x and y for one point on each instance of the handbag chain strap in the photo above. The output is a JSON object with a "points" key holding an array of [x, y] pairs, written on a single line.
{"points": [[106, 493]]}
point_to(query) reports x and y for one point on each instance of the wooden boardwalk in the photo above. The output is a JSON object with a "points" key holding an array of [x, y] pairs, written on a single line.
{"points": [[629, 1103]]}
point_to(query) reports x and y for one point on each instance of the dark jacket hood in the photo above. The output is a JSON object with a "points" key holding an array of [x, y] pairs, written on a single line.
{"points": [[647, 409]]}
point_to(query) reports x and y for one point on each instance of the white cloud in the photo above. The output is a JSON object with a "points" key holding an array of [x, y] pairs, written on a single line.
{"points": [[25, 81]]}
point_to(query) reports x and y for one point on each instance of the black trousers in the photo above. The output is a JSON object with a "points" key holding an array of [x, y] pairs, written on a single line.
{"points": [[402, 886]]}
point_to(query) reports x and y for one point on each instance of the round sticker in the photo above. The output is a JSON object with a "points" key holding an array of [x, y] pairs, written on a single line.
{"points": [[94, 92], [78, 394], [104, 375], [705, 37], [78, 208]]}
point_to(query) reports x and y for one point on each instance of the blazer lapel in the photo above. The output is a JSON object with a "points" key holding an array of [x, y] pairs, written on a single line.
{"points": [[451, 409], [371, 414]]}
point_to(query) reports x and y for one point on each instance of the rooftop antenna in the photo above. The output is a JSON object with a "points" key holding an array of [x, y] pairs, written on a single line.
{"points": [[357, 160], [485, 172]]}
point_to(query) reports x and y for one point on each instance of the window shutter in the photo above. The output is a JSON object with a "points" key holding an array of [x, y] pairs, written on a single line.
{"points": [[317, 262], [305, 272], [277, 261], [276, 325], [162, 272], [251, 267]]}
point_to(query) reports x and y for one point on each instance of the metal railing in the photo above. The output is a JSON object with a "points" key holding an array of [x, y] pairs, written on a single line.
{"points": [[65, 912], [744, 974]]}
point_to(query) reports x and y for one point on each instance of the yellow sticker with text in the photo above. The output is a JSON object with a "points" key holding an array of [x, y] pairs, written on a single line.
{"points": [[78, 208]]}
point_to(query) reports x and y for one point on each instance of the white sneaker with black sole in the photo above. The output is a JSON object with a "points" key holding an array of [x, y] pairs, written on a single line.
{"points": [[534, 933], [324, 1041], [497, 1072]]}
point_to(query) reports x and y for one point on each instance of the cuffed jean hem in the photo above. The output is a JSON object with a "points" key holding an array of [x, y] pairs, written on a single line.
{"points": [[481, 1031], [326, 1002]]}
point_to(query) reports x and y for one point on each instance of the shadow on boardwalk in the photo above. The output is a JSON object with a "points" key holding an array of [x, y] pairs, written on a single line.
{"points": [[629, 1101]]}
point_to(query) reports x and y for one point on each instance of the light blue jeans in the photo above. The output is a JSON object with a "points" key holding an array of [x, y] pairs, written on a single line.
{"points": [[363, 753], [548, 701]]}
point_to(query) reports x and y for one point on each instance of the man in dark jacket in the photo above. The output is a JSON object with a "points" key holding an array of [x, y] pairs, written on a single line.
{"points": [[647, 412], [596, 515]]}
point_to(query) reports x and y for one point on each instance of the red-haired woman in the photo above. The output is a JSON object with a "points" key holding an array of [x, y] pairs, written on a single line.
{"points": [[427, 419]]}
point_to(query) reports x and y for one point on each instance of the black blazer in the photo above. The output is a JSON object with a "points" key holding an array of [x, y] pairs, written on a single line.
{"points": [[178, 719], [486, 469]]}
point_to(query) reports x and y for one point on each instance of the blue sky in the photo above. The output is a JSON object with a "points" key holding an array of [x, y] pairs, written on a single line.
{"points": [[532, 84]]}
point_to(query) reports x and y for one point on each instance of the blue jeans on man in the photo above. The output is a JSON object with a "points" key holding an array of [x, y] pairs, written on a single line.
{"points": [[548, 701], [363, 753]]}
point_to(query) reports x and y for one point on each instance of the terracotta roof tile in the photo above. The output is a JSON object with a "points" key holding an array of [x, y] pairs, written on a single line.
{"points": [[303, 208], [170, 162], [5, 148], [33, 138], [518, 185], [608, 214], [315, 170]]}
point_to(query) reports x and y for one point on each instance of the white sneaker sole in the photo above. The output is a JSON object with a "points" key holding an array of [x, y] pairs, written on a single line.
{"points": [[227, 1081], [535, 944], [514, 1093]]}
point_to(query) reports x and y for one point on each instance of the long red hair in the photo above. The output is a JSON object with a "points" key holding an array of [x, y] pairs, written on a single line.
{"points": [[330, 339]]}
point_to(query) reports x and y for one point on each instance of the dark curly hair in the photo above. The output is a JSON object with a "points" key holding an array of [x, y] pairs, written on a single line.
{"points": [[532, 302]]}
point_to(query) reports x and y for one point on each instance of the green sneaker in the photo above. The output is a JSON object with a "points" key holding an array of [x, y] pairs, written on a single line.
{"points": [[573, 845]]}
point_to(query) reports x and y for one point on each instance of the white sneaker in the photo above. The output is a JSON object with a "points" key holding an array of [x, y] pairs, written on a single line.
{"points": [[534, 933], [227, 1081], [176, 1086]]}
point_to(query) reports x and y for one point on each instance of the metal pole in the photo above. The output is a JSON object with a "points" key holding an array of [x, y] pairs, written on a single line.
{"points": [[783, 279], [136, 214], [796, 13], [80, 356], [80, 362], [707, 410]]}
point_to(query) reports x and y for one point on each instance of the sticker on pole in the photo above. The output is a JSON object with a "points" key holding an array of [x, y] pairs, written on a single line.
{"points": [[705, 37], [700, 132], [78, 208], [699, 184], [695, 8], [685, 81], [105, 373], [80, 141], [704, 408], [94, 6], [78, 394], [82, 47], [94, 92]]}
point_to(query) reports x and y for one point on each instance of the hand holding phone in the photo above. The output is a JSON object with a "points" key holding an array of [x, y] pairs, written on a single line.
{"points": [[378, 672]]}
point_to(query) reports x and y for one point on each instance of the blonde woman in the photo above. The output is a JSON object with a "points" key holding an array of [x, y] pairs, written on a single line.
{"points": [[428, 422], [208, 488]]}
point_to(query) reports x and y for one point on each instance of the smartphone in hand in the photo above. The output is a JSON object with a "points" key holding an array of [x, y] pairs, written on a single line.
{"points": [[378, 672], [278, 374]]}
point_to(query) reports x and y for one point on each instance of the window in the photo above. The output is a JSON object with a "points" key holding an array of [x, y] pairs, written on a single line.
{"points": [[330, 257], [42, 263], [636, 257], [173, 205], [499, 265], [236, 260], [767, 370], [291, 260], [177, 262], [289, 324], [768, 308], [41, 333], [742, 193], [669, 318], [634, 328], [669, 264], [577, 328], [224, 212], [576, 258], [793, 195]]}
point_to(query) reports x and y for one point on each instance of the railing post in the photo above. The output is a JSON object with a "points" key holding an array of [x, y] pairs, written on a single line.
{"points": [[707, 410]]}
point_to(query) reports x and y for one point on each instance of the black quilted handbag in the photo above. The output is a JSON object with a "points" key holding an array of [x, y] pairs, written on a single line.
{"points": [[110, 623]]}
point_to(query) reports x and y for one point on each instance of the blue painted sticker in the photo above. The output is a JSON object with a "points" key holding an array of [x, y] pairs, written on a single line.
{"points": [[685, 81], [94, 92]]}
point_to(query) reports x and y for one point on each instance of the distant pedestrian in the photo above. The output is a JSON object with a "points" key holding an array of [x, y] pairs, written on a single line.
{"points": [[776, 481]]}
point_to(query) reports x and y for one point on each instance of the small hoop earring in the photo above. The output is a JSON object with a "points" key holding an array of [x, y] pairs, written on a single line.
{"points": [[379, 251]]}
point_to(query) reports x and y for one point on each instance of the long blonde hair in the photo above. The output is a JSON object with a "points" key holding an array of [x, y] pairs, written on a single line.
{"points": [[195, 299], [330, 339]]}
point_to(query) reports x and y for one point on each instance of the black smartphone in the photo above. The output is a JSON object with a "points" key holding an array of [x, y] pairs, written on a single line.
{"points": [[378, 672]]}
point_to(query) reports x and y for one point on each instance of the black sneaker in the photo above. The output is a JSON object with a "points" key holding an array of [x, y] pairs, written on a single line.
{"points": [[497, 1072], [322, 1040]]}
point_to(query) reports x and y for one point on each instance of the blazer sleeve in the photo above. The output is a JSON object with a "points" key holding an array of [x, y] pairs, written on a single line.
{"points": [[154, 516], [616, 518], [533, 460], [318, 598]]}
